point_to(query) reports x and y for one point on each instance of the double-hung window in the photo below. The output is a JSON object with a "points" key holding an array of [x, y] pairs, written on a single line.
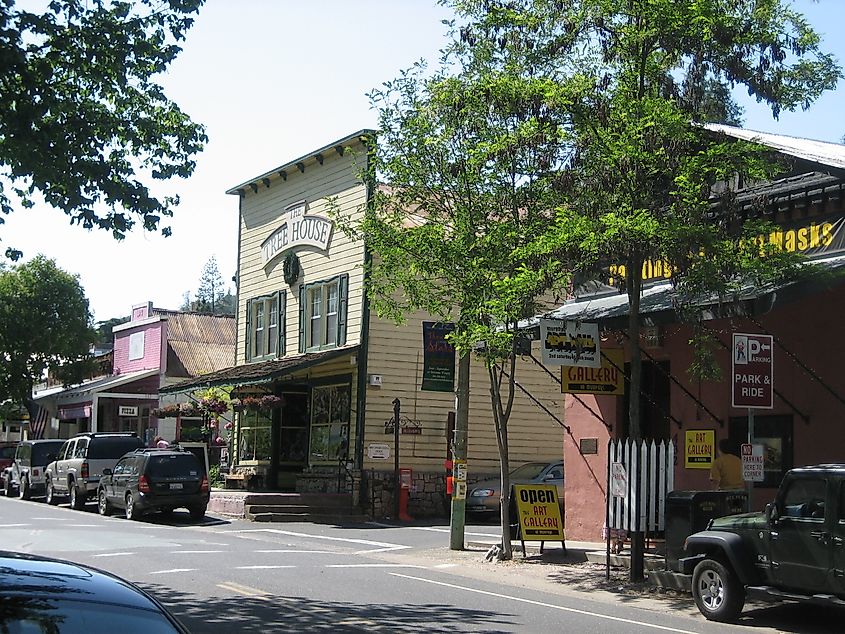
{"points": [[265, 327], [322, 314]]}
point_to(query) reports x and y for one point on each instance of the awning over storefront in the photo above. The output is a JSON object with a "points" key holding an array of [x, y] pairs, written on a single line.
{"points": [[262, 372], [659, 300], [78, 395]]}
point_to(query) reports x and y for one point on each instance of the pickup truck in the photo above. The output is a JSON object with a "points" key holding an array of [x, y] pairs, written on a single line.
{"points": [[794, 551]]}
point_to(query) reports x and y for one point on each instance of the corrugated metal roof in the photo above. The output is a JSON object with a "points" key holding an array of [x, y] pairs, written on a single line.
{"points": [[198, 344], [658, 300], [823, 152], [262, 372]]}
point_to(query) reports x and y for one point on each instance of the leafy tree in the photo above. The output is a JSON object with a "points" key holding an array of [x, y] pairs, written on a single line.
{"points": [[104, 333], [471, 161], [644, 76], [44, 324], [84, 123]]}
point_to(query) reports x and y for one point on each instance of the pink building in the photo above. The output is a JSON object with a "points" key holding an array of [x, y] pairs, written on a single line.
{"points": [[154, 348], [802, 426]]}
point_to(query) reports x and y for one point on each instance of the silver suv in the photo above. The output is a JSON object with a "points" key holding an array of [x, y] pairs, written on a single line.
{"points": [[77, 470], [26, 474]]}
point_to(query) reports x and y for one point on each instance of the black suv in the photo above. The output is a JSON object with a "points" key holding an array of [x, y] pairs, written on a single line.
{"points": [[148, 480]]}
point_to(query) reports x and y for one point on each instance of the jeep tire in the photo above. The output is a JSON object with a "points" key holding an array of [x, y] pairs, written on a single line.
{"points": [[717, 592]]}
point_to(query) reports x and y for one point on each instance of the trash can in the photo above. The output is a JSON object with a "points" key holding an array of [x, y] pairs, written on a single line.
{"points": [[688, 512]]}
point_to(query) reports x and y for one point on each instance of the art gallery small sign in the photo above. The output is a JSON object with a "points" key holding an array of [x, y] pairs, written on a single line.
{"points": [[298, 230]]}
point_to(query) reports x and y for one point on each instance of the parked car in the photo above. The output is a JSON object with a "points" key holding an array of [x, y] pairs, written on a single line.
{"points": [[150, 480], [791, 552], [38, 594], [483, 497], [7, 454], [26, 475], [77, 470]]}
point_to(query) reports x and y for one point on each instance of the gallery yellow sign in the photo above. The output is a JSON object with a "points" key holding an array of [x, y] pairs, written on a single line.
{"points": [[699, 449], [538, 508], [608, 379]]}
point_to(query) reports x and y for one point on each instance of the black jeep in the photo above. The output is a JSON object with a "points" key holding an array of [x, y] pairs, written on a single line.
{"points": [[793, 551]]}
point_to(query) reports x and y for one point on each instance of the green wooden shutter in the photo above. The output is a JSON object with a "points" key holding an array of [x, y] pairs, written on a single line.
{"points": [[281, 298], [248, 331], [302, 296], [343, 301]]}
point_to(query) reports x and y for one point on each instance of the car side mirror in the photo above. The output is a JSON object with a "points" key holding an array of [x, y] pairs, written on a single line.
{"points": [[772, 513], [107, 471]]}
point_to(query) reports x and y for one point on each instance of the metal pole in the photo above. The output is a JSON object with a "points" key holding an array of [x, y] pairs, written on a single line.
{"points": [[395, 459], [457, 521], [750, 485]]}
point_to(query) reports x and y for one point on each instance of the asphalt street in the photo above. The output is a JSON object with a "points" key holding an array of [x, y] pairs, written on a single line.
{"points": [[237, 576]]}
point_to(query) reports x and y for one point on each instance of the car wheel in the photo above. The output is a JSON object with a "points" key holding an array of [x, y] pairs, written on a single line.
{"points": [[77, 501], [51, 494], [717, 591], [197, 513], [8, 488], [132, 512], [24, 491], [103, 506]]}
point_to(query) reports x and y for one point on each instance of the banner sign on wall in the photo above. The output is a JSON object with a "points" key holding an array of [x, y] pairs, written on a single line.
{"points": [[570, 343], [609, 379], [438, 358], [699, 448]]}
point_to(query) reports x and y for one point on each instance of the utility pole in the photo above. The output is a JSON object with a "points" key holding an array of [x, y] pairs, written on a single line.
{"points": [[459, 456]]}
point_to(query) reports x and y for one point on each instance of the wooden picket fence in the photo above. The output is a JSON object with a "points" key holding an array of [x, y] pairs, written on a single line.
{"points": [[637, 501]]}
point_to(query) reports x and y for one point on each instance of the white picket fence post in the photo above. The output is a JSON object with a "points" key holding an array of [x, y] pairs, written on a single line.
{"points": [[650, 469]]}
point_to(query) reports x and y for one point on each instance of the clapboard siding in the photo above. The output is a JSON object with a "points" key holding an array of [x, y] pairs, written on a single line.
{"points": [[395, 352], [262, 213]]}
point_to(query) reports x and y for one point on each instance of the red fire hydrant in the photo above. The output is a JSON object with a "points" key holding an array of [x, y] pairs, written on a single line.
{"points": [[405, 479]]}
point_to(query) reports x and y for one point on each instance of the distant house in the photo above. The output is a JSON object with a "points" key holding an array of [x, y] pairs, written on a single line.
{"points": [[155, 348]]}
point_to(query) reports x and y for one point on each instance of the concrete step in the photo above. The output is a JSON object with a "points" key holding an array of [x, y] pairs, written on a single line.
{"points": [[623, 560]]}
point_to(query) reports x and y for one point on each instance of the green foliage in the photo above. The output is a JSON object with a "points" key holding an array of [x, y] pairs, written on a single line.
{"points": [[641, 78], [44, 324], [214, 475], [84, 125]]}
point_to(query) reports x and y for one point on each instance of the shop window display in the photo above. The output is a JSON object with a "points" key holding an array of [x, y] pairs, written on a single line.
{"points": [[330, 423], [255, 436]]}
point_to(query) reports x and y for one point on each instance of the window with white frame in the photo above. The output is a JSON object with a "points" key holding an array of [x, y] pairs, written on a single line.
{"points": [[330, 417], [265, 326], [322, 314], [255, 436]]}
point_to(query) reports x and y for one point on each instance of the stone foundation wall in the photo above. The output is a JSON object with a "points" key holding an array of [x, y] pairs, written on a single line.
{"points": [[427, 496]]}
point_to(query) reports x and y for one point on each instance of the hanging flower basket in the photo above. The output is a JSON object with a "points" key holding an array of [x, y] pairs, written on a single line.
{"points": [[213, 406], [257, 403], [168, 411]]}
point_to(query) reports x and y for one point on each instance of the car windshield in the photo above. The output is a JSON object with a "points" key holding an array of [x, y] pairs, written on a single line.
{"points": [[7, 452], [105, 448], [170, 466], [528, 471], [42, 453], [48, 616]]}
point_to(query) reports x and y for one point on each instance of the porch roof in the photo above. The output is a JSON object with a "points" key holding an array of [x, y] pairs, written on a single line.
{"points": [[658, 301], [261, 372]]}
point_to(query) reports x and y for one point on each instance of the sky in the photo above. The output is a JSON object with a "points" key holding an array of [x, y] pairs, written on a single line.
{"points": [[273, 80]]}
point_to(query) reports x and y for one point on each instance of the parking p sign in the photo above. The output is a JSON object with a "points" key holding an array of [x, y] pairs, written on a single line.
{"points": [[752, 371]]}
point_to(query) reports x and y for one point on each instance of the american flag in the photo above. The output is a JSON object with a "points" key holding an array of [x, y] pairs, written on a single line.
{"points": [[38, 424]]}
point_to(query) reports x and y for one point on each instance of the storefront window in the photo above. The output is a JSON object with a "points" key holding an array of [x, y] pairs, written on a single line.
{"points": [[330, 423], [255, 436]]}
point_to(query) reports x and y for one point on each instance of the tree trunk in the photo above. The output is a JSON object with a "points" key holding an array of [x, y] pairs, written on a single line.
{"points": [[501, 423]]}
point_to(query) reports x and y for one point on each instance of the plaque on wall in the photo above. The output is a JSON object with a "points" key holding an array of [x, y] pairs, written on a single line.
{"points": [[589, 446]]}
